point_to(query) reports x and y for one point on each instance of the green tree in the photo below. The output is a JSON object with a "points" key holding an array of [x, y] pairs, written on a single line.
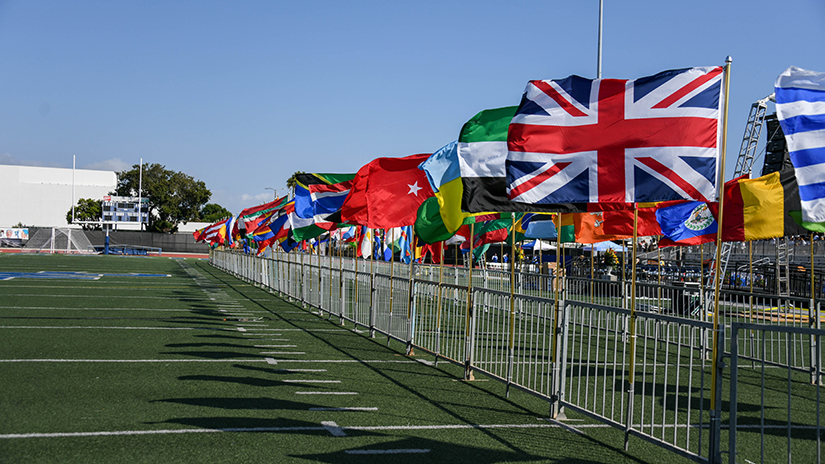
{"points": [[291, 183], [86, 209], [213, 212], [173, 197]]}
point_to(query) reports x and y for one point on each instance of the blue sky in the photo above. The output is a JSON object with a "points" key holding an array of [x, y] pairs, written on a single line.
{"points": [[243, 94]]}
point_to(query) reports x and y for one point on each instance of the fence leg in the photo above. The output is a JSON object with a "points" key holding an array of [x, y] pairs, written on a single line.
{"points": [[714, 448], [372, 305], [734, 378]]}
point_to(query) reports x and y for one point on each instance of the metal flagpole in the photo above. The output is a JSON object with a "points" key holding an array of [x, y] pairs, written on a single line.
{"points": [[599, 63], [632, 328], [555, 406], [511, 349], [715, 412], [392, 259], [410, 316], [468, 371], [140, 193], [438, 314]]}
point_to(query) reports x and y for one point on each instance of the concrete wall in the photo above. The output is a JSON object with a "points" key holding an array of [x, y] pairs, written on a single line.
{"points": [[169, 243], [41, 197]]}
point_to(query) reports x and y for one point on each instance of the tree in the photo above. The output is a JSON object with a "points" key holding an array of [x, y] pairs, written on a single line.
{"points": [[173, 197], [214, 212], [86, 209], [292, 182]]}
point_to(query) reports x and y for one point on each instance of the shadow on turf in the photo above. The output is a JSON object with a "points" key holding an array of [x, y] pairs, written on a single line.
{"points": [[420, 450], [379, 346], [268, 404]]}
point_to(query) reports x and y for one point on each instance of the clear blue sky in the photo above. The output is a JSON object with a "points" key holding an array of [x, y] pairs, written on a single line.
{"points": [[243, 94]]}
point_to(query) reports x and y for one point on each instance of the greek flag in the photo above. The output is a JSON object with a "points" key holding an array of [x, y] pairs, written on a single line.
{"points": [[800, 107]]}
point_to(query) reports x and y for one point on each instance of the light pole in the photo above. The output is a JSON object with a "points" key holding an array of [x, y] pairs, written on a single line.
{"points": [[274, 191]]}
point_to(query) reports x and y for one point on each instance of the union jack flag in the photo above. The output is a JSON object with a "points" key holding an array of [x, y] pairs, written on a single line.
{"points": [[650, 139]]}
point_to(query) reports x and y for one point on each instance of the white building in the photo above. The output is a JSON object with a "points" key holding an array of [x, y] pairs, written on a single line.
{"points": [[40, 197]]}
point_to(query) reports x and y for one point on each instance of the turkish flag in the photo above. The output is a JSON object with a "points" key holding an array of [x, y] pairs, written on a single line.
{"points": [[387, 192]]}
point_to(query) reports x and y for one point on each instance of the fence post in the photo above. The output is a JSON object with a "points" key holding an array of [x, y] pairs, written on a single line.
{"points": [[734, 378], [714, 451], [372, 305]]}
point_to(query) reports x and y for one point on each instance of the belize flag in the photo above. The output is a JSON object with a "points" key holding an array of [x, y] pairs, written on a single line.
{"points": [[689, 223]]}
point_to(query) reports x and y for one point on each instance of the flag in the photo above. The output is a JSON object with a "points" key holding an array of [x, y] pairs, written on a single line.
{"points": [[320, 196], [252, 218], [609, 140], [215, 234], [303, 229], [365, 243], [199, 234], [688, 223], [404, 244], [387, 192], [753, 209], [590, 228], [620, 222], [812, 226], [800, 108], [482, 152]]}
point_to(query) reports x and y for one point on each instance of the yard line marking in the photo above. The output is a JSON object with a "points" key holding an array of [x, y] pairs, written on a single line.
{"points": [[569, 428], [108, 327], [275, 346], [282, 352], [326, 393], [300, 370], [388, 451], [311, 381], [272, 429], [241, 329], [267, 360], [128, 360], [60, 308], [343, 409], [333, 429]]}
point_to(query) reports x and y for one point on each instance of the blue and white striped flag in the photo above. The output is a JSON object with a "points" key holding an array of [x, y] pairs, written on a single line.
{"points": [[800, 107]]}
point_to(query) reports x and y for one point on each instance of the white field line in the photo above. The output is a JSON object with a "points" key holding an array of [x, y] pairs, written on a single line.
{"points": [[343, 409], [326, 393], [299, 370], [282, 352], [108, 327], [109, 297], [333, 429], [130, 360], [276, 346], [98, 309], [311, 381], [277, 429]]}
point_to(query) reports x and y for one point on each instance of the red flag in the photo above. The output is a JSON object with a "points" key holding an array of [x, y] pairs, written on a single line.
{"points": [[387, 192]]}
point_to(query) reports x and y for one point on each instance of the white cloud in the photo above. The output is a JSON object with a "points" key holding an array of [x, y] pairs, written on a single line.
{"points": [[114, 164], [260, 198]]}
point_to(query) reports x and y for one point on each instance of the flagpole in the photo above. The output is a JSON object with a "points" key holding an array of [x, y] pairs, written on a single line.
{"points": [[372, 290], [632, 328], [392, 260], [511, 348], [599, 58], [411, 244], [555, 408], [715, 417], [438, 314], [468, 372]]}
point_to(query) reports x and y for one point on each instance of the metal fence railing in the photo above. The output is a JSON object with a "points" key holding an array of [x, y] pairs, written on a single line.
{"points": [[577, 343]]}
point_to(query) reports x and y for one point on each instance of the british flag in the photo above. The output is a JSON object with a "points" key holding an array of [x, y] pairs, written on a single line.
{"points": [[583, 140]]}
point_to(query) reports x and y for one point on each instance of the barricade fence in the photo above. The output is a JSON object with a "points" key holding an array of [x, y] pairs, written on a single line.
{"points": [[577, 342]]}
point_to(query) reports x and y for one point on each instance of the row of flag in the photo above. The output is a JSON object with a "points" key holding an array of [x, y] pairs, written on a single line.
{"points": [[592, 150]]}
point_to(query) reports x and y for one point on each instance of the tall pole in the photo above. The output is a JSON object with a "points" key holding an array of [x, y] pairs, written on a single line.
{"points": [[74, 161], [720, 186], [468, 371], [511, 348], [140, 193], [599, 63]]}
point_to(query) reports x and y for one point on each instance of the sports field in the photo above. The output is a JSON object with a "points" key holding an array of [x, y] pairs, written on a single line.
{"points": [[127, 359]]}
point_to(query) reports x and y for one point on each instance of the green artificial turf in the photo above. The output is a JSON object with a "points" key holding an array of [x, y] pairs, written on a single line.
{"points": [[160, 369]]}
